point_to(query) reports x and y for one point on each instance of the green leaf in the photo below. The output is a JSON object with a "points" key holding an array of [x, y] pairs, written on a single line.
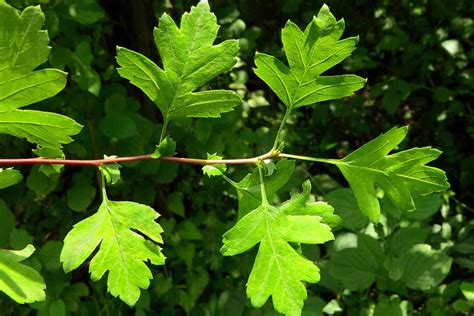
{"points": [[23, 47], [216, 169], [190, 60], [7, 224], [40, 183], [467, 289], [167, 147], [310, 53], [393, 266], [357, 267], [332, 307], [249, 190], [23, 44], [21, 282], [50, 153], [122, 251], [279, 269], [424, 267], [398, 174], [345, 205], [80, 196], [42, 128], [111, 171], [118, 125], [19, 90], [406, 237], [82, 11], [386, 307], [9, 177]]}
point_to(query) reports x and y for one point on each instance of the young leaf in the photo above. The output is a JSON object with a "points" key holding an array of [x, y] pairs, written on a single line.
{"points": [[189, 61], [52, 153], [310, 53], [214, 170], [167, 147], [111, 171], [279, 270], [21, 282], [23, 47], [249, 190], [398, 174], [9, 177], [122, 251]]}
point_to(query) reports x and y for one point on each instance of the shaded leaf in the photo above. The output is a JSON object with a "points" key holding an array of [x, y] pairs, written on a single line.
{"points": [[9, 177], [424, 267]]}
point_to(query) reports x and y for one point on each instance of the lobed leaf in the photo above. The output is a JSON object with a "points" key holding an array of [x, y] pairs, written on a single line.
{"points": [[190, 60], [23, 44], [279, 270], [216, 169], [310, 53], [122, 252], [398, 174], [167, 147]]}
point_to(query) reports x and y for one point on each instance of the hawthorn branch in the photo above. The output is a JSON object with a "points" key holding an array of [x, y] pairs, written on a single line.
{"points": [[98, 162]]}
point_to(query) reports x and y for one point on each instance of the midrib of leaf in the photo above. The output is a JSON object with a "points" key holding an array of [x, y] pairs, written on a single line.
{"points": [[405, 162], [26, 123], [281, 80], [199, 103], [109, 216], [290, 107], [27, 87], [323, 88], [203, 66], [181, 79], [300, 80], [411, 178], [89, 237], [145, 70], [329, 56], [21, 42], [383, 173], [275, 255], [303, 61], [201, 26]]}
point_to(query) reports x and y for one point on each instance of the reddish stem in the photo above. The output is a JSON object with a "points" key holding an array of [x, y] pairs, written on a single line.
{"points": [[97, 162]]}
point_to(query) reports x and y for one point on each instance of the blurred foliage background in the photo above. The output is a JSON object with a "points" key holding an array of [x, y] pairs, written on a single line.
{"points": [[418, 56]]}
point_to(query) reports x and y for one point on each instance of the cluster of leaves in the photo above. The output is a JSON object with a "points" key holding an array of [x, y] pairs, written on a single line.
{"points": [[193, 219]]}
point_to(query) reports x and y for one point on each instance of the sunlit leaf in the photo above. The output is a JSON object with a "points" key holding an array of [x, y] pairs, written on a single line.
{"points": [[279, 270], [310, 53], [122, 252], [398, 174], [190, 60]]}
